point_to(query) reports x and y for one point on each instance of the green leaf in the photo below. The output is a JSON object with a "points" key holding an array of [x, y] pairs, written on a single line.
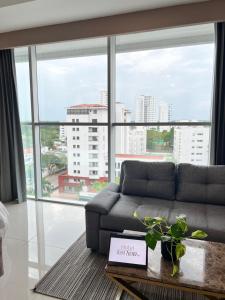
{"points": [[149, 222], [180, 250], [176, 230], [147, 219], [199, 234], [135, 215], [151, 241], [175, 270], [156, 234]]}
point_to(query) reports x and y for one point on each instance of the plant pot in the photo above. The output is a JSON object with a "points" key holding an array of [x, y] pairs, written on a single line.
{"points": [[166, 250]]}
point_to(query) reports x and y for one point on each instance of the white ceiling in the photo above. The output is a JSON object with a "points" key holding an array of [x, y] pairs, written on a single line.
{"points": [[20, 14]]}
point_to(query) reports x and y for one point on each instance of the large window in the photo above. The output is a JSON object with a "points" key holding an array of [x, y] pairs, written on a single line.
{"points": [[164, 88], [162, 82]]}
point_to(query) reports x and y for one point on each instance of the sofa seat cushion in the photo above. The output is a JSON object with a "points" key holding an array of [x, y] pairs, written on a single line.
{"points": [[196, 214], [201, 184], [216, 223], [121, 215], [149, 179], [210, 218]]}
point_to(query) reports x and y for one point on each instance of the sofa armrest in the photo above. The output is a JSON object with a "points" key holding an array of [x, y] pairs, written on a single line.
{"points": [[104, 201]]}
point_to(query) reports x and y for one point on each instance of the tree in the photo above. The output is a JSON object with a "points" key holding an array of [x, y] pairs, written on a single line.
{"points": [[98, 186], [160, 140], [49, 135], [47, 187], [53, 162]]}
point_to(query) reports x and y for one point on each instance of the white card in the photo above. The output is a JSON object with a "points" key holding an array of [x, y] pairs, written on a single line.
{"points": [[129, 251]]}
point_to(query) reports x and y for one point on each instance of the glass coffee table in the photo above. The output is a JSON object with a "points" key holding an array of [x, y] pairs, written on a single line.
{"points": [[202, 271]]}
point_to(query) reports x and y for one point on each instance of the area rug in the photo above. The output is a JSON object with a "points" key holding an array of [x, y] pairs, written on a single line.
{"points": [[79, 275]]}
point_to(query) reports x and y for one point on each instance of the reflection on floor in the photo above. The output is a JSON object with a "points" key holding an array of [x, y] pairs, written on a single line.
{"points": [[39, 233]]}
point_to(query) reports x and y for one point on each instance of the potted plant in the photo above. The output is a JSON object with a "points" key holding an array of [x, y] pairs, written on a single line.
{"points": [[171, 237]]}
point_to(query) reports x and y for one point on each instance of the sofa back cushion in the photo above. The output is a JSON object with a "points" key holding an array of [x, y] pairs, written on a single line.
{"points": [[201, 184], [148, 179]]}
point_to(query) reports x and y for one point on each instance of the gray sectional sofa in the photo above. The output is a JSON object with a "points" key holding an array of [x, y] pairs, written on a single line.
{"points": [[158, 189]]}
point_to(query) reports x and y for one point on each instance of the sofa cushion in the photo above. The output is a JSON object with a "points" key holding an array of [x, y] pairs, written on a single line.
{"points": [[149, 179], [121, 215], [195, 212], [207, 217], [216, 223], [201, 184]]}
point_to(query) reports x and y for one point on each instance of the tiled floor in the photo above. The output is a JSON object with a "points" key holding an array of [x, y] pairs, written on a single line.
{"points": [[39, 233]]}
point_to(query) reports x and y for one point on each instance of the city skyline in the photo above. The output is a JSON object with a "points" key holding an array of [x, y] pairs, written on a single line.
{"points": [[185, 81]]}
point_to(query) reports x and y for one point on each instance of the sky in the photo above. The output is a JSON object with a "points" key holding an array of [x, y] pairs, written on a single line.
{"points": [[181, 76]]}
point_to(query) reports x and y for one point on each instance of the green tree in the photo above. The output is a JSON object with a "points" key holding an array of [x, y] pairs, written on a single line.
{"points": [[98, 186], [160, 140], [53, 162], [49, 135], [47, 187]]}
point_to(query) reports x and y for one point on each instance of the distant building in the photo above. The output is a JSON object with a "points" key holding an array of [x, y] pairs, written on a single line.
{"points": [[191, 144], [122, 132], [103, 97], [165, 114], [62, 133], [146, 109], [137, 140], [87, 147], [150, 109]]}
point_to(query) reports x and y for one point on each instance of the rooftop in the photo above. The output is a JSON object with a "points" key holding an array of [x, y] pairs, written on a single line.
{"points": [[80, 106]]}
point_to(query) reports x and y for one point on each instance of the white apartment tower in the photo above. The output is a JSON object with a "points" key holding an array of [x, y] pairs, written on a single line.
{"points": [[122, 132], [137, 140], [146, 109], [103, 97], [87, 145], [165, 112], [191, 144]]}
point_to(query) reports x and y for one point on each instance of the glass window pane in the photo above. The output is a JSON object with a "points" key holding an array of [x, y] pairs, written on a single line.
{"points": [[72, 75], [180, 144], [165, 75], [74, 161], [23, 88], [23, 83], [29, 158]]}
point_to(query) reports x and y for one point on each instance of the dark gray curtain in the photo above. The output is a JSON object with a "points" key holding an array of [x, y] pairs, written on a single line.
{"points": [[12, 171], [218, 120]]}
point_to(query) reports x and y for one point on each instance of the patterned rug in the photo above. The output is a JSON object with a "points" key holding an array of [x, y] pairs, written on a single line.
{"points": [[79, 275]]}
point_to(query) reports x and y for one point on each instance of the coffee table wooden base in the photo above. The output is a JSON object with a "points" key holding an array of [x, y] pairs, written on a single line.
{"points": [[124, 284]]}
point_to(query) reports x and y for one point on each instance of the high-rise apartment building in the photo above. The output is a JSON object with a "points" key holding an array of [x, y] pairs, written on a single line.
{"points": [[103, 97], [87, 146], [146, 109], [137, 140], [62, 133], [123, 115], [165, 112], [150, 109], [191, 144]]}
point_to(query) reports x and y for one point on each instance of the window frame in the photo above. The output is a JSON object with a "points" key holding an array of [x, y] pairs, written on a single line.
{"points": [[111, 124]]}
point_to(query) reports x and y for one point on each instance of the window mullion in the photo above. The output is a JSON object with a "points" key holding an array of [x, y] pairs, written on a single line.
{"points": [[35, 120], [111, 105]]}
